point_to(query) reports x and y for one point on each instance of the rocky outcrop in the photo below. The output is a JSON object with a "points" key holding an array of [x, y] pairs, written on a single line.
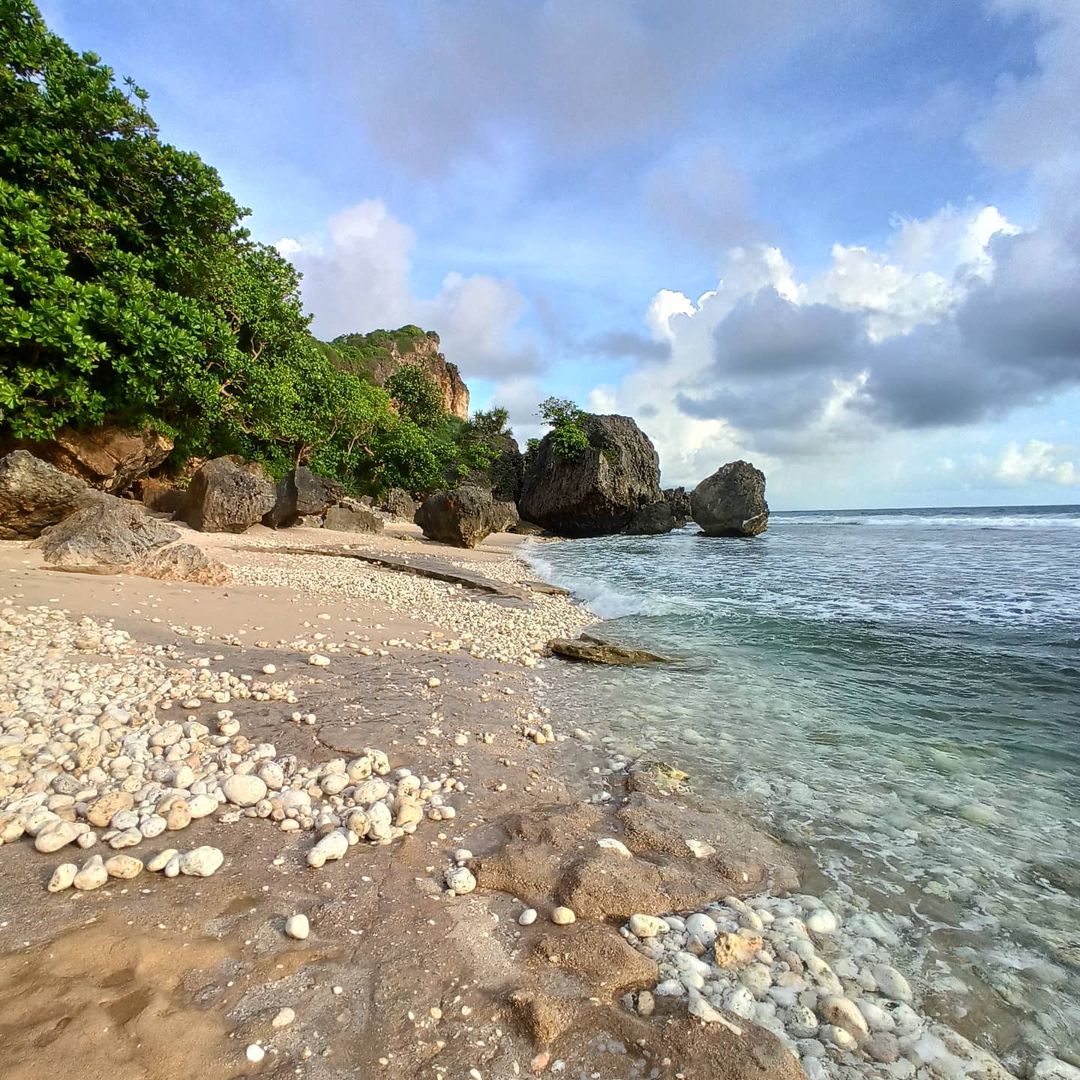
{"points": [[35, 495], [181, 562], [301, 493], [351, 516], [107, 531], [731, 502], [109, 458], [464, 517], [679, 501], [598, 492], [226, 495], [507, 471], [652, 520]]}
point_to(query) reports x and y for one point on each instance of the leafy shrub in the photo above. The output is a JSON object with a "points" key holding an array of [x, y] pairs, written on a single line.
{"points": [[569, 440]]}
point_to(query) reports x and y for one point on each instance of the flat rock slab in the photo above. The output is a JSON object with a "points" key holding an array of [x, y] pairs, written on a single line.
{"points": [[590, 650], [420, 565]]}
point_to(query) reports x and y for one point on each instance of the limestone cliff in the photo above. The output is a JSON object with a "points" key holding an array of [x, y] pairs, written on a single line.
{"points": [[382, 352]]}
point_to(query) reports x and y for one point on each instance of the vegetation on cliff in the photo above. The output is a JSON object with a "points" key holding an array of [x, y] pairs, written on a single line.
{"points": [[131, 293]]}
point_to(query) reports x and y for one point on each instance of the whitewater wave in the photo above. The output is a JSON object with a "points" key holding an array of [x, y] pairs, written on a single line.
{"points": [[782, 519]]}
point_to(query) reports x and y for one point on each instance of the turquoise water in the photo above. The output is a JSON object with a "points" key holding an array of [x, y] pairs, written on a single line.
{"points": [[898, 693]]}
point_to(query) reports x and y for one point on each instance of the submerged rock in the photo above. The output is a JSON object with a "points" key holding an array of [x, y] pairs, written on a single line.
{"points": [[591, 650], [598, 492], [731, 502]]}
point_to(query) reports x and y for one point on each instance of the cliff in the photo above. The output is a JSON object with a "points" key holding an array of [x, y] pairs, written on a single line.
{"points": [[378, 355]]}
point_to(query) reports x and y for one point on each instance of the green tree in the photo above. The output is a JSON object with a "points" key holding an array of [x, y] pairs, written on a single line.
{"points": [[416, 395], [569, 438]]}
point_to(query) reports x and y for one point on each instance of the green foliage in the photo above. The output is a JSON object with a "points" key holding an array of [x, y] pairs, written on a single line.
{"points": [[569, 440], [416, 395], [492, 422], [368, 355]]}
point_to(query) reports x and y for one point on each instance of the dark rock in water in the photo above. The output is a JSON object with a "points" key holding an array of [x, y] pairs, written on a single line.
{"points": [[731, 502], [679, 501], [301, 493], [352, 516], [400, 505], [106, 531], [463, 517], [598, 492], [226, 495], [593, 651], [652, 520], [35, 495], [159, 496], [108, 458]]}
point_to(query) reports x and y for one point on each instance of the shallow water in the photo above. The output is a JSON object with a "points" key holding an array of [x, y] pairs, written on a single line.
{"points": [[899, 692]]}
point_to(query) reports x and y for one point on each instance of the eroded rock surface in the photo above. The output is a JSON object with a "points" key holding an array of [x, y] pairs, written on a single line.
{"points": [[107, 531], [226, 496], [35, 495], [731, 502], [463, 517]]}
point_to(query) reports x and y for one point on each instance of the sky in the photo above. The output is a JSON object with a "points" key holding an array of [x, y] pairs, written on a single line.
{"points": [[837, 238]]}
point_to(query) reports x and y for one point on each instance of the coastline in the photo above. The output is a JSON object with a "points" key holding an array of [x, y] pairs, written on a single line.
{"points": [[397, 977]]}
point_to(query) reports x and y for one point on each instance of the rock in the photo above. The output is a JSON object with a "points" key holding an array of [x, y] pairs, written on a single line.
{"points": [[298, 927], [731, 502], [370, 791], [182, 562], [843, 1013], [736, 950], [244, 790], [883, 1046], [757, 979], [652, 520], [379, 821], [92, 875], [123, 866], [700, 1008], [647, 926], [301, 493], [600, 491], [679, 501], [62, 877], [158, 862], [400, 505], [159, 496], [462, 517], [460, 880], [58, 834], [34, 496], [107, 531], [109, 458], [227, 496], [201, 861], [822, 921], [408, 810], [330, 848], [200, 806], [527, 917], [587, 649], [563, 916], [891, 983], [283, 1018], [351, 516], [701, 927], [800, 1022], [318, 660], [254, 1053]]}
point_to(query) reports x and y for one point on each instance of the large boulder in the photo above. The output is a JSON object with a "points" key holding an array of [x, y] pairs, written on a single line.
{"points": [[35, 495], [598, 492], [226, 495], [106, 531], [109, 458], [463, 517], [652, 520], [679, 501], [731, 502], [400, 505], [301, 493], [352, 516]]}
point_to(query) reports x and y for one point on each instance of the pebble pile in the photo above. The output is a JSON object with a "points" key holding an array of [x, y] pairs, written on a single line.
{"points": [[90, 756], [823, 984]]}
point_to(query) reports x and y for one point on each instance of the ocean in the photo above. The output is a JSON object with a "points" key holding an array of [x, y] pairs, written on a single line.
{"points": [[897, 693]]}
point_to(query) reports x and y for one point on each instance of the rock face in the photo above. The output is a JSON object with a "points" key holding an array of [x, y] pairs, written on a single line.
{"points": [[652, 520], [225, 496], [423, 350], [731, 502], [301, 493], [106, 531], [463, 517], [599, 492], [35, 495], [109, 458], [679, 501], [352, 516]]}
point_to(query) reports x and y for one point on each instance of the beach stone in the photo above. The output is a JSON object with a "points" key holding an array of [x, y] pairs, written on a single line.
{"points": [[254, 1053], [126, 838], [201, 806], [883, 1047], [283, 1018], [123, 866], [647, 926], [891, 983], [201, 861], [741, 1002], [58, 834], [822, 921], [1052, 1068], [62, 877], [702, 927], [877, 1019], [841, 1012], [244, 790], [330, 848], [563, 916], [527, 917], [460, 880], [408, 810], [152, 826], [92, 875], [379, 821], [799, 1022], [735, 950], [101, 811], [838, 1036], [297, 927], [178, 815], [370, 791], [757, 979], [159, 861]]}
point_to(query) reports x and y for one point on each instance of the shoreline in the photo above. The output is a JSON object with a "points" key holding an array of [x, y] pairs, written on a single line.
{"points": [[454, 709]]}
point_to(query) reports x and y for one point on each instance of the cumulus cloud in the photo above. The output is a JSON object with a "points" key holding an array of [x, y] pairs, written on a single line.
{"points": [[1037, 461], [358, 279]]}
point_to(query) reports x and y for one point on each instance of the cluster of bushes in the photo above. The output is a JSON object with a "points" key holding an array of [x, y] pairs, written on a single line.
{"points": [[131, 293]]}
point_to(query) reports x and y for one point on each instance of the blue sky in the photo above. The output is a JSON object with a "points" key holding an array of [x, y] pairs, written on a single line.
{"points": [[838, 238]]}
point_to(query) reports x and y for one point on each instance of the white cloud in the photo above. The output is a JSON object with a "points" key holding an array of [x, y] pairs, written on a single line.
{"points": [[358, 279], [1036, 462]]}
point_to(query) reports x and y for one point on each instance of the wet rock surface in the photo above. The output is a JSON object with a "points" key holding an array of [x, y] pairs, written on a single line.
{"points": [[731, 502]]}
